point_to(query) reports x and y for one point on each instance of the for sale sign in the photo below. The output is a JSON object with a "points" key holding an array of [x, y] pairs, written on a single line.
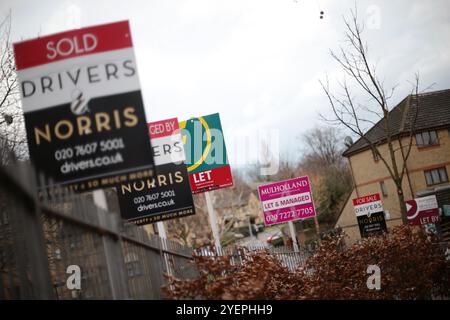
{"points": [[167, 195], [83, 108], [206, 154], [423, 210], [286, 200], [367, 205], [370, 215]]}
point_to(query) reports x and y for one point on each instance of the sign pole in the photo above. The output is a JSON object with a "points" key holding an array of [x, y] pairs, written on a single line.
{"points": [[163, 235], [302, 232], [213, 222], [250, 227], [100, 199], [112, 248], [316, 223], [293, 236], [161, 229]]}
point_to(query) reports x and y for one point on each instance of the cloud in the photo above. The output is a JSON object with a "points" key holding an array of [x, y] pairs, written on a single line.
{"points": [[67, 15]]}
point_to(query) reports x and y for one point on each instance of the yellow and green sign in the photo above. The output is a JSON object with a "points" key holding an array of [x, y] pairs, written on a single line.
{"points": [[206, 155]]}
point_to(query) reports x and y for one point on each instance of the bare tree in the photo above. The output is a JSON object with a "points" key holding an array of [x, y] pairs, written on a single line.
{"points": [[324, 147], [192, 230], [12, 130], [181, 231], [356, 115], [329, 171], [228, 203]]}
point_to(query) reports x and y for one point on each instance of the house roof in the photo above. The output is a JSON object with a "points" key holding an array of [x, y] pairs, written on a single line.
{"points": [[432, 110]]}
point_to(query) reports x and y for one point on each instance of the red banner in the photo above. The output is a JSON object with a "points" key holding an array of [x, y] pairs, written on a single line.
{"points": [[163, 128], [212, 179], [366, 199], [72, 44]]}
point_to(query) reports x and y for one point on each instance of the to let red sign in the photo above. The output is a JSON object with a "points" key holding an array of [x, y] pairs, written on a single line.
{"points": [[423, 210]]}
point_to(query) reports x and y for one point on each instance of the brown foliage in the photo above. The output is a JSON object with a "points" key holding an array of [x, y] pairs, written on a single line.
{"points": [[411, 264], [258, 276]]}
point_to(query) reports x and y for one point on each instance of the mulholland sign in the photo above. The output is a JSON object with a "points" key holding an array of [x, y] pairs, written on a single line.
{"points": [[287, 200], [166, 195], [83, 108]]}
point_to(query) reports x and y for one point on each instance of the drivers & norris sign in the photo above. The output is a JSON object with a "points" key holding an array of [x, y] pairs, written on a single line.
{"points": [[167, 195], [84, 116], [370, 215]]}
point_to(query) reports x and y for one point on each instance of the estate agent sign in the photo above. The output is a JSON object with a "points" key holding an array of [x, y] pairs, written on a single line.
{"points": [[423, 210], [287, 200], [84, 115], [206, 154], [166, 195], [370, 215]]}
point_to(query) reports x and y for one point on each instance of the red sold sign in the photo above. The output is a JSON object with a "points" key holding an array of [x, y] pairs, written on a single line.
{"points": [[84, 115]]}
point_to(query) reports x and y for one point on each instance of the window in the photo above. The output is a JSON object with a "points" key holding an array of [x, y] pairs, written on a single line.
{"points": [[427, 138], [4, 219], [436, 176], [376, 156], [384, 191]]}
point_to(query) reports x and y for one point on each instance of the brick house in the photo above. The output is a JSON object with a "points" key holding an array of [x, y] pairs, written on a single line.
{"points": [[427, 168]]}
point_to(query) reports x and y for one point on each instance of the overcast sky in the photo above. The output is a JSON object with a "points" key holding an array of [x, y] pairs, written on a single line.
{"points": [[256, 62]]}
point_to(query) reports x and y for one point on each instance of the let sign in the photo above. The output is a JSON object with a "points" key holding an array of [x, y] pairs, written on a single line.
{"points": [[287, 200], [206, 154], [423, 210]]}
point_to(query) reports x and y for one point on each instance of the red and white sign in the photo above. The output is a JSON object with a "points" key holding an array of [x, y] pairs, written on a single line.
{"points": [[370, 215], [167, 195], [166, 141], [365, 206], [84, 115], [287, 200], [423, 210], [219, 177], [98, 60]]}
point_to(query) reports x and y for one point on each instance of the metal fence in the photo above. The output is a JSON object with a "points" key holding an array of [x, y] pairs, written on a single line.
{"points": [[41, 235], [288, 258]]}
